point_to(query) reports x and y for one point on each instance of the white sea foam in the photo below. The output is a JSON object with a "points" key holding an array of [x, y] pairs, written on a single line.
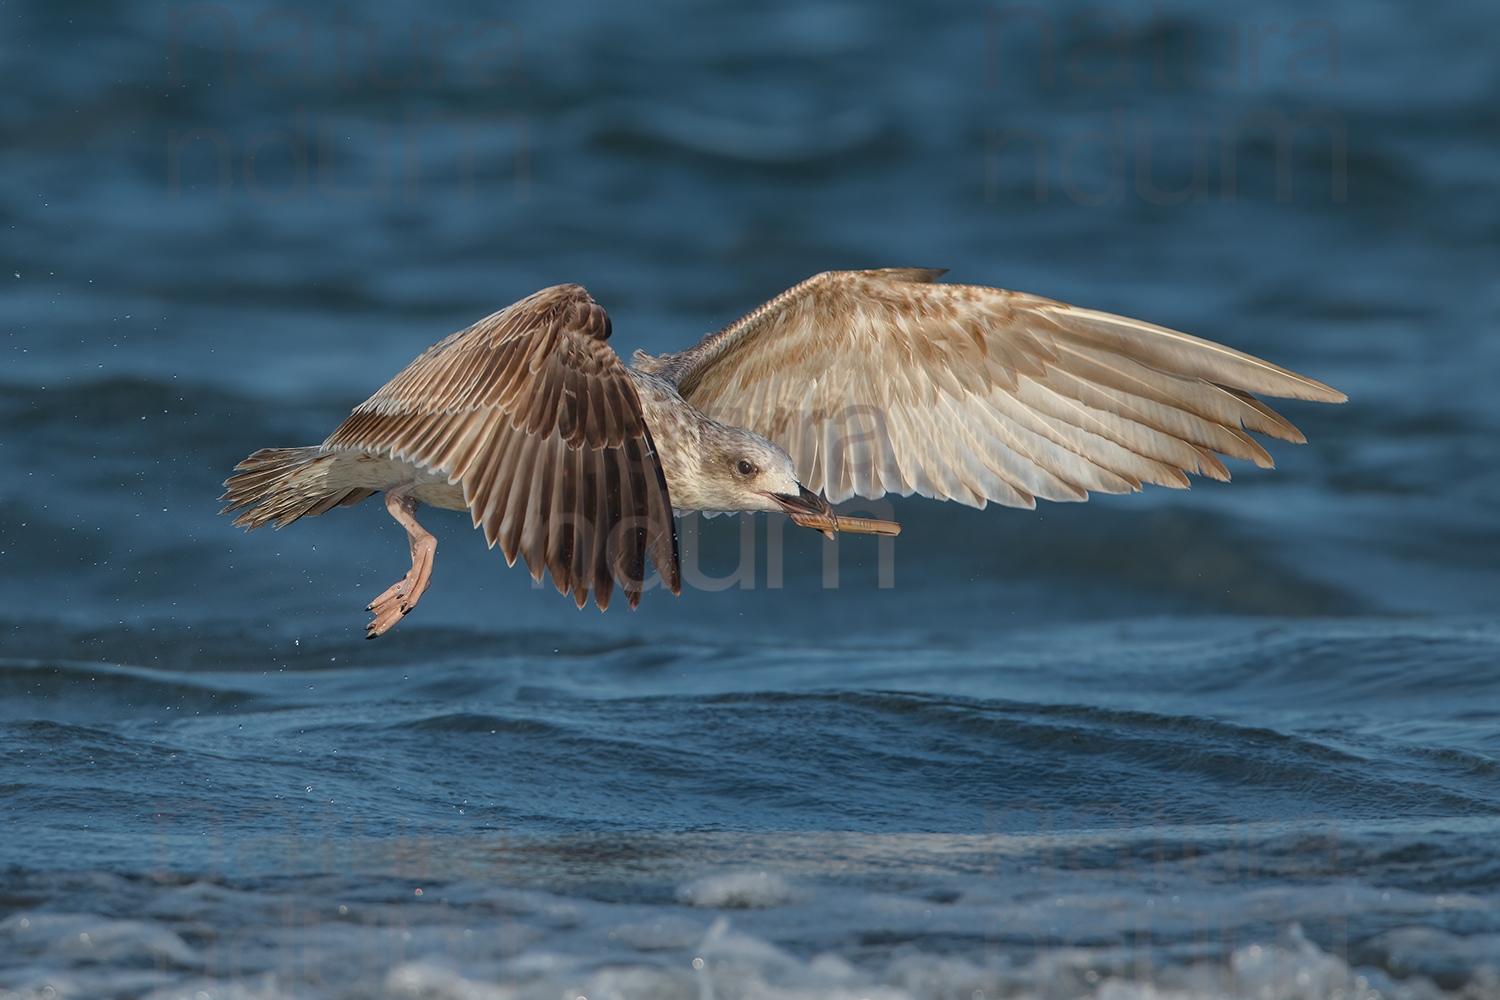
{"points": [[738, 891], [661, 953]]}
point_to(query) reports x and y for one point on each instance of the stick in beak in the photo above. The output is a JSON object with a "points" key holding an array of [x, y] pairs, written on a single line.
{"points": [[812, 511]]}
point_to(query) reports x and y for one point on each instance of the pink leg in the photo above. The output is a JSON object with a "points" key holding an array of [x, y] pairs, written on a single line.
{"points": [[391, 606]]}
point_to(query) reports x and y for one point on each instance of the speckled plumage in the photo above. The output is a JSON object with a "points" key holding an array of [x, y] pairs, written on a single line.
{"points": [[852, 383]]}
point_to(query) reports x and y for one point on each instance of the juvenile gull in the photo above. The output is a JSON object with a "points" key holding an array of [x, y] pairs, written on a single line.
{"points": [[852, 383]]}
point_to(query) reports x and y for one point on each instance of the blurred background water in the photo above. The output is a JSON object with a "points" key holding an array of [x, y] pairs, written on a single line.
{"points": [[1242, 740]]}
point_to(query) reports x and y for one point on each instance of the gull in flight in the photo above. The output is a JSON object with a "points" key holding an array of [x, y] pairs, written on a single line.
{"points": [[852, 383]]}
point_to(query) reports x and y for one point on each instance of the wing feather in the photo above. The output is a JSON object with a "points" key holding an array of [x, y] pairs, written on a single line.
{"points": [[538, 502], [603, 576], [883, 381], [520, 470], [526, 410]]}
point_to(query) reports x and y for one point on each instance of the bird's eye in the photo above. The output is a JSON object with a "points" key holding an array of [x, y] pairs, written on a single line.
{"points": [[747, 468]]}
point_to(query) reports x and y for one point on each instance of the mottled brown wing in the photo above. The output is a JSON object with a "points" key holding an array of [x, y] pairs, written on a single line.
{"points": [[881, 381], [537, 418]]}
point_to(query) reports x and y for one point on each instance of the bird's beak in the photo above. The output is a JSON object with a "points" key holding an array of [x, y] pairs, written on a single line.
{"points": [[808, 509], [812, 511], [804, 503]]}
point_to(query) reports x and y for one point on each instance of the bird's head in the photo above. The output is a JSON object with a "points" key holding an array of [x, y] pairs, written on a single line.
{"points": [[743, 471]]}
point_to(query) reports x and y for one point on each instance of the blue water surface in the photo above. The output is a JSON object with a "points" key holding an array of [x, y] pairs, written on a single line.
{"points": [[1242, 740]]}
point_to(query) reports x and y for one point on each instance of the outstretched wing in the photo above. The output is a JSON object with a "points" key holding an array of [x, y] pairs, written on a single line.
{"points": [[537, 418], [881, 381]]}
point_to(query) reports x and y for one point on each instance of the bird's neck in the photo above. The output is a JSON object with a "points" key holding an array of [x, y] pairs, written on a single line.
{"points": [[681, 433]]}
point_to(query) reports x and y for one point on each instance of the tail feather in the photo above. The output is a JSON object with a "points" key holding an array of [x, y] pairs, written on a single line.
{"points": [[279, 485]]}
